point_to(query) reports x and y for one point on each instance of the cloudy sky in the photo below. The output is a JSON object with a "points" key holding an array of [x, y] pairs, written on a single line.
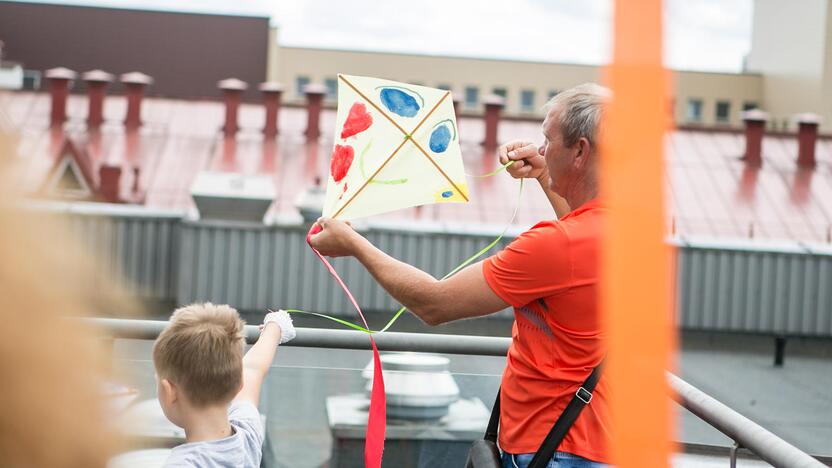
{"points": [[712, 35]]}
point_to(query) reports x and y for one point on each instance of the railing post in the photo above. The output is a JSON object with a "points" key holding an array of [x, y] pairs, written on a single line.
{"points": [[779, 350], [733, 454]]}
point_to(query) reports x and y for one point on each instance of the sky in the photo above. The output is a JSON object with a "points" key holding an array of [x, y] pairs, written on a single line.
{"points": [[707, 35]]}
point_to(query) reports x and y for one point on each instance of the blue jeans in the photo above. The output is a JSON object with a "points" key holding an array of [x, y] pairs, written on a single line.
{"points": [[560, 460]]}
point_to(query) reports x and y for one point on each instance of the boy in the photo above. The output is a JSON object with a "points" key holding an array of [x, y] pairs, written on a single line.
{"points": [[206, 386]]}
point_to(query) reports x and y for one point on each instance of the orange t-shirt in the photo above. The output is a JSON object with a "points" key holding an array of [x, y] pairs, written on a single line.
{"points": [[549, 274]]}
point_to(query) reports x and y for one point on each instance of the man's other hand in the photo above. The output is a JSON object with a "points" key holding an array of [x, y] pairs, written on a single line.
{"points": [[528, 162]]}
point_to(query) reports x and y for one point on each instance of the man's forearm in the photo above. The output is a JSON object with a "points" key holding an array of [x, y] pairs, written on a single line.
{"points": [[261, 354], [409, 285]]}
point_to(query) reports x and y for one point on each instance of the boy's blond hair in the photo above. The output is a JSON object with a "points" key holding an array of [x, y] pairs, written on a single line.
{"points": [[201, 351]]}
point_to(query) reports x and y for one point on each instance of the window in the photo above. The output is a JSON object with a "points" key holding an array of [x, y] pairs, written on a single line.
{"points": [[693, 113], [331, 89], [301, 81], [31, 79], [527, 100], [472, 96], [749, 105], [723, 111], [69, 180], [499, 91]]}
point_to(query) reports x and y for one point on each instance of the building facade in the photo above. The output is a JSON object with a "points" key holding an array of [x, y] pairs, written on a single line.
{"points": [[792, 50], [788, 72], [697, 98], [185, 53]]}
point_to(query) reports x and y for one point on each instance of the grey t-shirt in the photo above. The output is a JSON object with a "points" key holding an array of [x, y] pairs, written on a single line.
{"points": [[243, 448]]}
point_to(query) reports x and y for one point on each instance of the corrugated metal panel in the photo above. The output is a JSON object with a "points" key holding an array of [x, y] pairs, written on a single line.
{"points": [[256, 267], [139, 249], [741, 287], [776, 291]]}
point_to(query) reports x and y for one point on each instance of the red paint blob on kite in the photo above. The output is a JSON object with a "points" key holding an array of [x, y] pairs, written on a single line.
{"points": [[357, 121], [342, 157]]}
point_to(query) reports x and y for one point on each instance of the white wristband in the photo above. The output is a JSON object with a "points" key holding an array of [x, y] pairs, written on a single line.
{"points": [[281, 319]]}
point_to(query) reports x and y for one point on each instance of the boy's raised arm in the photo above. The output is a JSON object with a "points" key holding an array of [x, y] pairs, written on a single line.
{"points": [[277, 328]]}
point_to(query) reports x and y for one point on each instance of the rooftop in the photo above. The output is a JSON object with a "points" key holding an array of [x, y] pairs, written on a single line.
{"points": [[711, 191]]}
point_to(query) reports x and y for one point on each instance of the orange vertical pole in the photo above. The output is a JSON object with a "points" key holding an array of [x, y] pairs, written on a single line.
{"points": [[636, 266]]}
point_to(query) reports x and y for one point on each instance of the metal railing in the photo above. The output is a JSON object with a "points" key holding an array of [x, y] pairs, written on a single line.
{"points": [[745, 433]]}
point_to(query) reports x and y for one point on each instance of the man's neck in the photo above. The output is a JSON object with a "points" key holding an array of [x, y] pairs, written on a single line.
{"points": [[210, 423], [581, 193]]}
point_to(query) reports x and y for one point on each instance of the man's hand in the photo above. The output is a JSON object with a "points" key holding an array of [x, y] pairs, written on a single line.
{"points": [[337, 238], [529, 163]]}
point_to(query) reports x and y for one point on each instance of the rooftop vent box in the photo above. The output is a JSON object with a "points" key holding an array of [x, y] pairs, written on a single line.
{"points": [[232, 196]]}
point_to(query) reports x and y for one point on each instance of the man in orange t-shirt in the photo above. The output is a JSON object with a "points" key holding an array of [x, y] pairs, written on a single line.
{"points": [[549, 275]]}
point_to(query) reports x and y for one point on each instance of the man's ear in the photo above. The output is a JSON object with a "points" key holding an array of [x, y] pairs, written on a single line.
{"points": [[583, 148]]}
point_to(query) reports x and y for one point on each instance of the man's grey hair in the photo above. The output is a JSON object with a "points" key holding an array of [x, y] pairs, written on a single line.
{"points": [[580, 110]]}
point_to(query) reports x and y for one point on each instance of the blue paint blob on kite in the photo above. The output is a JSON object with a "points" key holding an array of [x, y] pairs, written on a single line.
{"points": [[447, 194], [399, 102], [440, 138]]}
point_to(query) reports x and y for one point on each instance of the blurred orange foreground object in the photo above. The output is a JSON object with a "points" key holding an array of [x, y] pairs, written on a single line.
{"points": [[635, 287]]}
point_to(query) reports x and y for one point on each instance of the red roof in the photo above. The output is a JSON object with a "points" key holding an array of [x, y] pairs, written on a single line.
{"points": [[711, 191]]}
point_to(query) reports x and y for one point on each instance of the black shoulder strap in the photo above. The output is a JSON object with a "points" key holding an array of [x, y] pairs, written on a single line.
{"points": [[494, 421], [582, 398]]}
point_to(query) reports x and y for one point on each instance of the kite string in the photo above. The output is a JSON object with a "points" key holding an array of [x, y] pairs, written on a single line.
{"points": [[466, 262]]}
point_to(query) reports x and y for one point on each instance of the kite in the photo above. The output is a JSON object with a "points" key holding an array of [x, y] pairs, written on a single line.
{"points": [[396, 146]]}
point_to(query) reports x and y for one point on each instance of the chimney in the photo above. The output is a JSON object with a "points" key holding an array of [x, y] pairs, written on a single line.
{"points": [[232, 89], [457, 107], [755, 127], [271, 101], [807, 137], [97, 81], [314, 103], [60, 80], [493, 105], [109, 178], [135, 84]]}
